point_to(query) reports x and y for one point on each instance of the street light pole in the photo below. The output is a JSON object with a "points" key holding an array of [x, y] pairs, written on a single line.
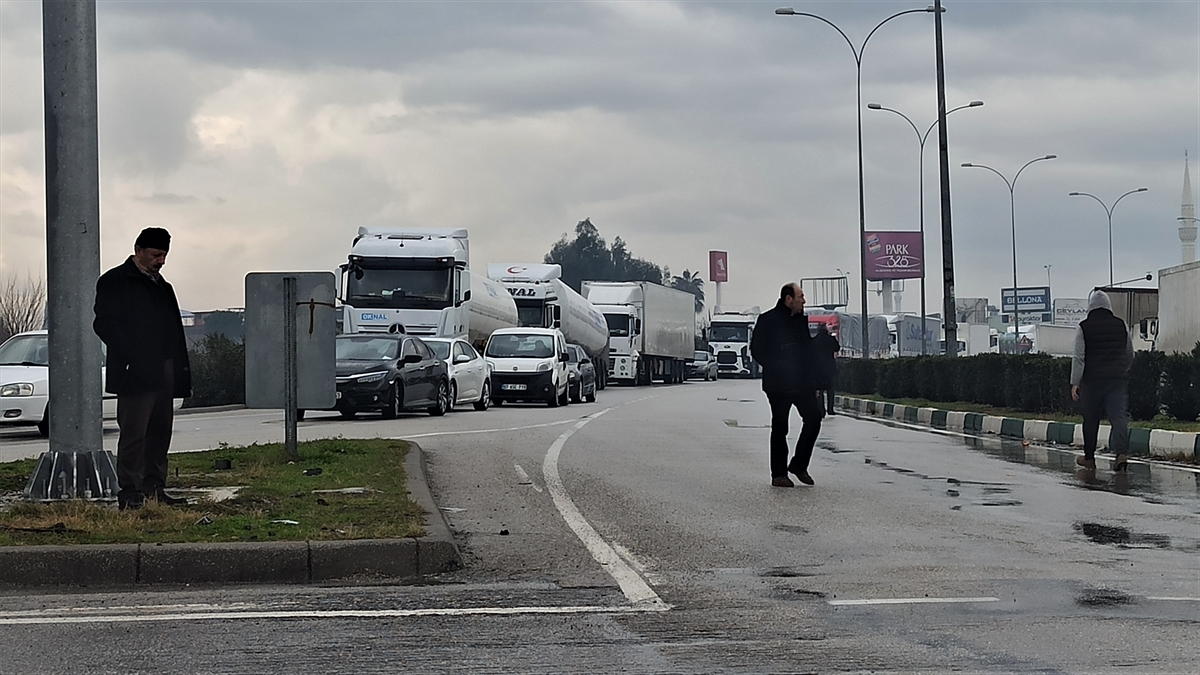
{"points": [[921, 138], [1048, 274], [862, 208], [1108, 210], [1012, 205]]}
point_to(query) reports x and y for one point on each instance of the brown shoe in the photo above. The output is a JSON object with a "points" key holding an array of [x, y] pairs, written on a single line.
{"points": [[782, 481], [1085, 462], [1121, 463]]}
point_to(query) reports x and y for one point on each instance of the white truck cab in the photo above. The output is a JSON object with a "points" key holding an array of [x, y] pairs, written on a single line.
{"points": [[528, 364]]}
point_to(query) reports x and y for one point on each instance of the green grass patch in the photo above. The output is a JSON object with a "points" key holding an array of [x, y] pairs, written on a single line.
{"points": [[1159, 422], [272, 489]]}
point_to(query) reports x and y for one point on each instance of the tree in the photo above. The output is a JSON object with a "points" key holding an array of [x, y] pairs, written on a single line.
{"points": [[587, 256], [22, 305], [690, 282]]}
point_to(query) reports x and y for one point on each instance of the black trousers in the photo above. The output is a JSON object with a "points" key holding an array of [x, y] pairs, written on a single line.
{"points": [[145, 421], [1107, 398], [811, 411]]}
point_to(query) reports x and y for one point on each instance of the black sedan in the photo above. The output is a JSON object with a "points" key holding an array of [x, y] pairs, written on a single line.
{"points": [[389, 374], [581, 375]]}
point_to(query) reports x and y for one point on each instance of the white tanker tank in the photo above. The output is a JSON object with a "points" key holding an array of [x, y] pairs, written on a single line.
{"points": [[544, 301]]}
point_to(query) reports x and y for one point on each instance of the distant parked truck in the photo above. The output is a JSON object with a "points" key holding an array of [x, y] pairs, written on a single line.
{"points": [[729, 337], [847, 328], [544, 301], [1053, 339], [419, 282], [651, 329]]}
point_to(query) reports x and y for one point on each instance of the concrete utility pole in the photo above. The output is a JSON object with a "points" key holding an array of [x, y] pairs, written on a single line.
{"points": [[72, 223], [949, 313]]}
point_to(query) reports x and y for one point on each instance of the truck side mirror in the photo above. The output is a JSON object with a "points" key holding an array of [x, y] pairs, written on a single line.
{"points": [[557, 316], [467, 295], [637, 326]]}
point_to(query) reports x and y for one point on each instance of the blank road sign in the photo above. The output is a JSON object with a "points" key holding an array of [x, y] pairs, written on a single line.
{"points": [[266, 340]]}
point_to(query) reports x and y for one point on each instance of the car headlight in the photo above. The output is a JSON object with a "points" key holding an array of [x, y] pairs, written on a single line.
{"points": [[370, 377], [17, 389], [544, 367]]}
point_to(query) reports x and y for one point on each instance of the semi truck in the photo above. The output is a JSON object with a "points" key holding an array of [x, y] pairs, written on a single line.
{"points": [[729, 337], [419, 282], [651, 329], [544, 301], [847, 328]]}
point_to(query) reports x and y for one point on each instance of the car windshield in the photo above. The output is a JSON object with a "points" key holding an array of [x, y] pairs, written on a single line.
{"points": [[400, 288], [366, 348], [521, 346], [618, 324], [26, 350], [440, 349], [728, 333], [700, 356]]}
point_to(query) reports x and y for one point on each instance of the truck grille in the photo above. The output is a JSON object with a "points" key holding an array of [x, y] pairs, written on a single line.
{"points": [[727, 358]]}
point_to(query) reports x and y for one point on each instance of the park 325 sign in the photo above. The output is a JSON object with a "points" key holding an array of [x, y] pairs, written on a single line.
{"points": [[894, 255]]}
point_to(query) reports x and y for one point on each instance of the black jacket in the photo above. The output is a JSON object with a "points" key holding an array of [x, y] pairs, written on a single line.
{"points": [[138, 320], [825, 348], [782, 345], [1106, 343]]}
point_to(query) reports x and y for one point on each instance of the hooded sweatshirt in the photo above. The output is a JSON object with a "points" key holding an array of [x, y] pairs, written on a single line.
{"points": [[1103, 344]]}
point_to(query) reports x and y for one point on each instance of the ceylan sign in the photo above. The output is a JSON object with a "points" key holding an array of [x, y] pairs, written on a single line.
{"points": [[1070, 311], [894, 255], [1031, 299]]}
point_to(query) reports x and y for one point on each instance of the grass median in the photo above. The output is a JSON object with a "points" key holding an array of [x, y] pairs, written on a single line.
{"points": [[339, 489]]}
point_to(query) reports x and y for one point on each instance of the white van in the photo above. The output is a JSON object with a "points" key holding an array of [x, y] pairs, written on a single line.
{"points": [[528, 364]]}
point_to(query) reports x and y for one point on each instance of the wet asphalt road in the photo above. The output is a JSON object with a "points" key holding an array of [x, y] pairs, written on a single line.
{"points": [[914, 552]]}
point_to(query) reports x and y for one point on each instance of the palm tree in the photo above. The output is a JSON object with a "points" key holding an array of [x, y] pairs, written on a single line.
{"points": [[690, 282]]}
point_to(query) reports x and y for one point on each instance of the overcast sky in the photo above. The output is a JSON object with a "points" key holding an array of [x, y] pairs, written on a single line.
{"points": [[263, 134]]}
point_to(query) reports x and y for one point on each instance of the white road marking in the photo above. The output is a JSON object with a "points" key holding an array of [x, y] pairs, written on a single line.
{"points": [[524, 479], [462, 432], [1171, 599], [57, 618], [908, 601], [636, 590]]}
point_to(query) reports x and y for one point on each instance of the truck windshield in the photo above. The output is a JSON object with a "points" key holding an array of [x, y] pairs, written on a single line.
{"points": [[727, 332], [401, 288], [618, 324], [521, 346], [529, 314]]}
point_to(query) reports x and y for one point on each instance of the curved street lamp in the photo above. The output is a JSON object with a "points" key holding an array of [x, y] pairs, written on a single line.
{"points": [[1013, 211], [1109, 211], [862, 211], [921, 138]]}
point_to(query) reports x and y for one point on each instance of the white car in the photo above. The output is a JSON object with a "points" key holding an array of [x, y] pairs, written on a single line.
{"points": [[470, 373], [25, 382], [528, 364]]}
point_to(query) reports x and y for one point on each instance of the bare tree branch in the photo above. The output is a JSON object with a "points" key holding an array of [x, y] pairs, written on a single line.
{"points": [[22, 304]]}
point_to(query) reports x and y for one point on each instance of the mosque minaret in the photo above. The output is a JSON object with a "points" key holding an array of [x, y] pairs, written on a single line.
{"points": [[1187, 216]]}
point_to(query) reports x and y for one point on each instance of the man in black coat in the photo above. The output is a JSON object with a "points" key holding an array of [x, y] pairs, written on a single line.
{"points": [[1100, 379], [137, 317], [825, 349], [783, 346]]}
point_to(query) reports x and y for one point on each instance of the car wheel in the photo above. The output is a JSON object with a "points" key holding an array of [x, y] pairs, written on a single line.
{"points": [[554, 401], [442, 403], [486, 397], [591, 397], [453, 395], [565, 399], [348, 414], [395, 403], [300, 415], [44, 426], [577, 395]]}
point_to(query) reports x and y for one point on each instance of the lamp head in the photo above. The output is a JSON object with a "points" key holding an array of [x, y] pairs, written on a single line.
{"points": [[932, 9], [968, 164], [1074, 194], [786, 11], [974, 104], [874, 106], [1141, 189], [1050, 157]]}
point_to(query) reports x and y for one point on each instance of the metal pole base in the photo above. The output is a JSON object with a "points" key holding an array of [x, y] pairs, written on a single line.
{"points": [[73, 475]]}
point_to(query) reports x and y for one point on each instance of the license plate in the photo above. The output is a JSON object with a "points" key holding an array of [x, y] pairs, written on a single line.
{"points": [[339, 395], [513, 387]]}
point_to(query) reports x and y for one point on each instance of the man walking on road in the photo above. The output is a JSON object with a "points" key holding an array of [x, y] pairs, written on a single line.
{"points": [[825, 349], [1100, 379], [783, 346], [137, 317]]}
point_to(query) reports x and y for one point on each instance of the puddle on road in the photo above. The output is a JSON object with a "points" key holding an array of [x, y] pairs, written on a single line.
{"points": [[1122, 536], [1103, 597]]}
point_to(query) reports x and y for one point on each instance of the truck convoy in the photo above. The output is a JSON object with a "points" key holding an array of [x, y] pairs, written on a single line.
{"points": [[651, 329], [729, 337], [419, 282], [847, 328], [544, 301]]}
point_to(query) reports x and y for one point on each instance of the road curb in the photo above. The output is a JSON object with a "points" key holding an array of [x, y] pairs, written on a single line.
{"points": [[1142, 442], [284, 562]]}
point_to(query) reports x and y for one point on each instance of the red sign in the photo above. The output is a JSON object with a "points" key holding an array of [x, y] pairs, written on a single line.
{"points": [[718, 266], [894, 255]]}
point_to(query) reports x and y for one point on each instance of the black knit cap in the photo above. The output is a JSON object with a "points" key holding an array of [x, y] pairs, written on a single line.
{"points": [[154, 237]]}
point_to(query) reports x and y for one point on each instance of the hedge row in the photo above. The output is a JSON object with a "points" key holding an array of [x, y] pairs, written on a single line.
{"points": [[1035, 383]]}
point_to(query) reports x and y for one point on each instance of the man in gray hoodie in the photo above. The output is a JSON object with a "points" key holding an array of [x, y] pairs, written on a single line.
{"points": [[1100, 379]]}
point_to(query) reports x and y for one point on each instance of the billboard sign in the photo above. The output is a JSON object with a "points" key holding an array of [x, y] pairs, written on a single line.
{"points": [[971, 310], [1028, 299], [894, 255], [718, 266], [1070, 311]]}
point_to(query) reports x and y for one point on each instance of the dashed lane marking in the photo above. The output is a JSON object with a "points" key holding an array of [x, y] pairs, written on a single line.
{"points": [[908, 601]]}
